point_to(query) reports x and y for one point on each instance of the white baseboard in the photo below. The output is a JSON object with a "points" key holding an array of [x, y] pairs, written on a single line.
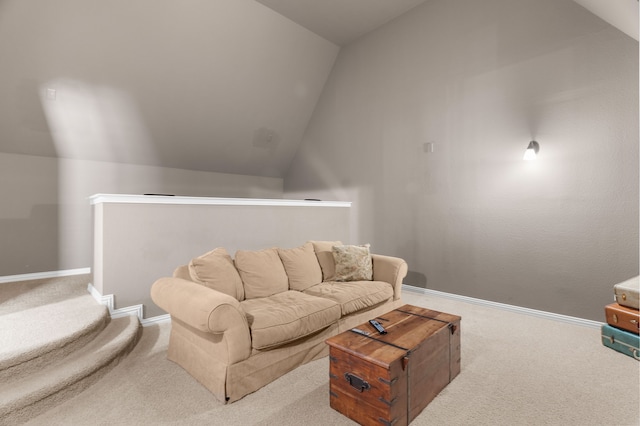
{"points": [[136, 310], [41, 275], [155, 320], [103, 300], [506, 307], [108, 301]]}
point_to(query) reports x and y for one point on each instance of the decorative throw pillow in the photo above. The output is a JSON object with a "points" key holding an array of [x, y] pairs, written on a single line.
{"points": [[262, 272], [215, 270], [302, 266], [353, 263], [325, 257]]}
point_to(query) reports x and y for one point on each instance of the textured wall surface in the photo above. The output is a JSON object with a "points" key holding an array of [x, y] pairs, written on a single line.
{"points": [[45, 215], [100, 97], [480, 80]]}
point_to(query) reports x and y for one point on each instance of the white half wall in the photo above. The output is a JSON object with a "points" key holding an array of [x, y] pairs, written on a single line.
{"points": [[139, 239]]}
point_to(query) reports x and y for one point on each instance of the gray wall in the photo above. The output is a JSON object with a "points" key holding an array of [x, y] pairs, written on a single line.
{"points": [[480, 80], [29, 214], [125, 97], [45, 216]]}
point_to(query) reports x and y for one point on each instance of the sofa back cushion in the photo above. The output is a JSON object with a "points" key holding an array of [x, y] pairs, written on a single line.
{"points": [[262, 272], [324, 254], [215, 270], [302, 267], [182, 272]]}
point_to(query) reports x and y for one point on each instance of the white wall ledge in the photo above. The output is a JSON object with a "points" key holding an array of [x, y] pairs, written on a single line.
{"points": [[41, 275], [170, 199]]}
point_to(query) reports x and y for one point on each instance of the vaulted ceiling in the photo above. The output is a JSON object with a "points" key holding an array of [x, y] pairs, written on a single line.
{"points": [[622, 14], [226, 86], [341, 21]]}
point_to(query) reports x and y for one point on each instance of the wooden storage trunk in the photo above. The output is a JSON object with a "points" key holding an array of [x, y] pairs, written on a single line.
{"points": [[389, 378]]}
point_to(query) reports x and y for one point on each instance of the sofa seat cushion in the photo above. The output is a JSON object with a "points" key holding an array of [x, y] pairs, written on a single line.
{"points": [[353, 296], [287, 316]]}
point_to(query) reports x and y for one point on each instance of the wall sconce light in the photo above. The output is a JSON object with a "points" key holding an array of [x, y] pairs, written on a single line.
{"points": [[532, 151]]}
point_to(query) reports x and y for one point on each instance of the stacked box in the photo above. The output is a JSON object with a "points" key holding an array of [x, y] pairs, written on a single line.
{"points": [[623, 317], [622, 331], [628, 293]]}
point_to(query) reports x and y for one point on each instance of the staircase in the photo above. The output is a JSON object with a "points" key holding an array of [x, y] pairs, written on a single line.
{"points": [[55, 341]]}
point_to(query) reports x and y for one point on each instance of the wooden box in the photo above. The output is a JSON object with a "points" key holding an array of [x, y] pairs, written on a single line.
{"points": [[389, 378]]}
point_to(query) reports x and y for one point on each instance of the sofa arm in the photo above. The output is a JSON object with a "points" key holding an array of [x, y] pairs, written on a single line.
{"points": [[206, 310], [391, 270]]}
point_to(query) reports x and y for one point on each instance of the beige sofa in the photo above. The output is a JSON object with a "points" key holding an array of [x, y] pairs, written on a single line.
{"points": [[237, 325]]}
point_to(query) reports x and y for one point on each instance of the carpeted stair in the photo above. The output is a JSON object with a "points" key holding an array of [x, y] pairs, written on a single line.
{"points": [[56, 341]]}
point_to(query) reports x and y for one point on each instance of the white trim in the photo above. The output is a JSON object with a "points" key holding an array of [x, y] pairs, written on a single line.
{"points": [[108, 301], [41, 275], [168, 199], [136, 310], [506, 307], [155, 320], [103, 300]]}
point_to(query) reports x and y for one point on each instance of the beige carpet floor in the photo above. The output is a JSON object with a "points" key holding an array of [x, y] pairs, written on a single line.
{"points": [[55, 341], [20, 295], [517, 369]]}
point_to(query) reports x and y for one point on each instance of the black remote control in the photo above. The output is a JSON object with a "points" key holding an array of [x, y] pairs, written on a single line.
{"points": [[378, 326]]}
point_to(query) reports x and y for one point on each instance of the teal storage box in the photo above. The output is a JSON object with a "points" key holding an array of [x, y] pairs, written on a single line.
{"points": [[621, 340]]}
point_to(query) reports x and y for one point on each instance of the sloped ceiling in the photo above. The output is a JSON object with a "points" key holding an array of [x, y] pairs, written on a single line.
{"points": [[225, 86], [622, 14], [341, 21]]}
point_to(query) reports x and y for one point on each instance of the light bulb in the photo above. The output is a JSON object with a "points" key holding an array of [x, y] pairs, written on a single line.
{"points": [[532, 151]]}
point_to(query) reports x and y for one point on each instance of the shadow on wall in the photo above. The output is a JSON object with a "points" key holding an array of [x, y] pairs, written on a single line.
{"points": [[29, 183], [30, 244], [37, 138], [416, 279]]}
